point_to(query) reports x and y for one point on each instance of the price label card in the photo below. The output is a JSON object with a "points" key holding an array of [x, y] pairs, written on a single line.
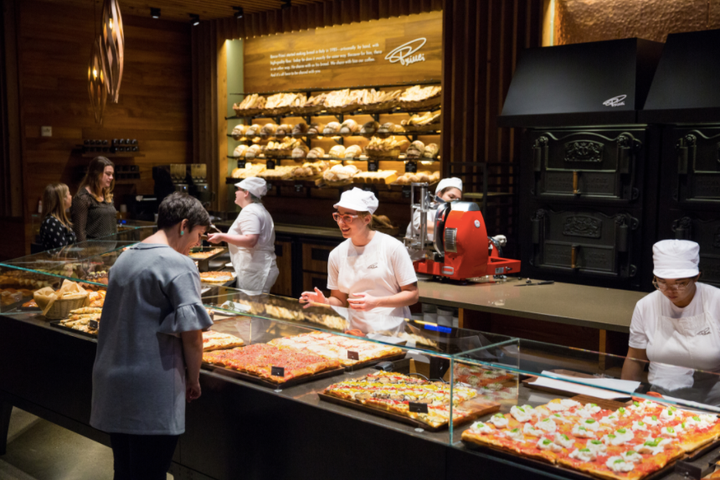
{"points": [[418, 407], [277, 371], [93, 324], [241, 163], [410, 167], [373, 166], [270, 165], [353, 355]]}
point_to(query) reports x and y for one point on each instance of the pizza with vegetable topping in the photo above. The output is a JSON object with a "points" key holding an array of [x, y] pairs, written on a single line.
{"points": [[628, 443]]}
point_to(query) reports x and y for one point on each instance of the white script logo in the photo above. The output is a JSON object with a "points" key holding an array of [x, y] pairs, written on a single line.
{"points": [[615, 101], [404, 53]]}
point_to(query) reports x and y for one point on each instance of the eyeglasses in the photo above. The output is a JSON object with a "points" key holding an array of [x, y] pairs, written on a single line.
{"points": [[678, 286], [347, 218]]}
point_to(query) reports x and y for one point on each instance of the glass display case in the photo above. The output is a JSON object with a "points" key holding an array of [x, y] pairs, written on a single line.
{"points": [[449, 386]]}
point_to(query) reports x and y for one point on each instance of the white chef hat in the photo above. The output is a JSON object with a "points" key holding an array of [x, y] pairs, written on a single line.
{"points": [[256, 186], [448, 182], [676, 259], [358, 200]]}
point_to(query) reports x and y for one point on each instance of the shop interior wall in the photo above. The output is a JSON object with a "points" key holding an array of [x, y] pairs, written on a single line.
{"points": [[155, 107], [578, 21]]}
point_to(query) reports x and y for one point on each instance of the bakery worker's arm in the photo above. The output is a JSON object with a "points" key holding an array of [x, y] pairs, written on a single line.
{"points": [[408, 295], [245, 241], [336, 298], [192, 343], [634, 364]]}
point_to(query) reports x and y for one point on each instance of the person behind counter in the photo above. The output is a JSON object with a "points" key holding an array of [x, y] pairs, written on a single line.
{"points": [[56, 230], [448, 190], [150, 345], [370, 271], [251, 239], [93, 213], [676, 327]]}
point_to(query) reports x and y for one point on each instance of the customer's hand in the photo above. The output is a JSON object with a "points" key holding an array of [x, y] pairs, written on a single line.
{"points": [[192, 391]]}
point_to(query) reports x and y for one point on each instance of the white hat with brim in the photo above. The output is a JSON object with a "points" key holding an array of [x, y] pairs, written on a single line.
{"points": [[676, 259], [448, 182], [256, 186], [358, 200]]}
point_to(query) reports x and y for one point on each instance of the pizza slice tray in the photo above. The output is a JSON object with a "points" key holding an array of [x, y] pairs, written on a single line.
{"points": [[204, 263], [57, 325], [375, 361], [274, 385], [487, 408], [551, 468], [702, 450]]}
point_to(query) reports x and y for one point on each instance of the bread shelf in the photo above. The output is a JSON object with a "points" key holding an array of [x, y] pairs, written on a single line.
{"points": [[339, 116], [357, 87]]}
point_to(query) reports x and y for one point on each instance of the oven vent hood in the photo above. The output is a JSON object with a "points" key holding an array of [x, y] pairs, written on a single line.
{"points": [[685, 87], [598, 83]]}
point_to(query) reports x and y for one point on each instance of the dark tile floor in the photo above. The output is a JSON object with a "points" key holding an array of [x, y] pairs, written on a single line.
{"points": [[40, 450]]}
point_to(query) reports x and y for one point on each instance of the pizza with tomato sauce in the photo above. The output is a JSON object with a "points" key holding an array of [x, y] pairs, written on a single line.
{"points": [[628, 443]]}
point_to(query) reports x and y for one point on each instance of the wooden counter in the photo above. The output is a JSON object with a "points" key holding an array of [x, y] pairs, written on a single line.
{"points": [[578, 305]]}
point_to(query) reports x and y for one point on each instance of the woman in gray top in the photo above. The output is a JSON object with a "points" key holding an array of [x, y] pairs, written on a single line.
{"points": [[150, 343]]}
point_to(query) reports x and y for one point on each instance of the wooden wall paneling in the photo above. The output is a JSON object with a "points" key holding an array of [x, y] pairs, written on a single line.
{"points": [[219, 172], [283, 284]]}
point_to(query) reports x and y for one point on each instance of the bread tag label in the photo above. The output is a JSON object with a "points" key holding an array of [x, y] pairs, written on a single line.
{"points": [[372, 166], [93, 324], [418, 407], [241, 163], [277, 371], [410, 167], [353, 355], [270, 165]]}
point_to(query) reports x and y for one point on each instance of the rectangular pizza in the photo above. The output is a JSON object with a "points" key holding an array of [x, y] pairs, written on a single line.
{"points": [[219, 341]]}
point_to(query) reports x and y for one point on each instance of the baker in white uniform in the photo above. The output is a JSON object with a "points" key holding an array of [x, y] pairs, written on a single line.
{"points": [[368, 272], [448, 190], [676, 327], [251, 239]]}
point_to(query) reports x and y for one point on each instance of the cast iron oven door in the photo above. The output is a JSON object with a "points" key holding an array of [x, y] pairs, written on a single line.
{"points": [[584, 242], [707, 234], [585, 165], [698, 167]]}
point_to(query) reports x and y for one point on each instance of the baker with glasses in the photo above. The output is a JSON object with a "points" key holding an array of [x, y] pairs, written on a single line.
{"points": [[676, 327], [368, 272]]}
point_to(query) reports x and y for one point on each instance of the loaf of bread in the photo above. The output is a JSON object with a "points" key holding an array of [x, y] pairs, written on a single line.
{"points": [[338, 151], [353, 151], [317, 152], [239, 131], [240, 151], [332, 128], [349, 127]]}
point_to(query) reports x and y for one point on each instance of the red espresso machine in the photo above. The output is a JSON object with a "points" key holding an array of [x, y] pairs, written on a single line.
{"points": [[461, 248]]}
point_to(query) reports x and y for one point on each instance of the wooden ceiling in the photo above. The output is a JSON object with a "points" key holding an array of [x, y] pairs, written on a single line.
{"points": [[179, 10]]}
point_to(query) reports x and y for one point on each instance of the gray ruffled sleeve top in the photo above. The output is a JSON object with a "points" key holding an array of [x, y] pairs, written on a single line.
{"points": [[139, 373]]}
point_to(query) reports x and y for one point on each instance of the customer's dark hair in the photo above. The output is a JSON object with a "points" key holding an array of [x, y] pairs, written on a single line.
{"points": [[180, 206]]}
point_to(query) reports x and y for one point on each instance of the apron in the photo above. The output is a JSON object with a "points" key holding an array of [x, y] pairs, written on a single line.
{"points": [[677, 341], [256, 268], [367, 273]]}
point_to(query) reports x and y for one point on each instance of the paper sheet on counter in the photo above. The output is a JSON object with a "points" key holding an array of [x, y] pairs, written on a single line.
{"points": [[619, 386]]}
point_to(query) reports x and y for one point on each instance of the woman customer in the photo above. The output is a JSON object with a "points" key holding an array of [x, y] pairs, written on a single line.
{"points": [[676, 327], [251, 239], [56, 230], [370, 271], [93, 213], [150, 343]]}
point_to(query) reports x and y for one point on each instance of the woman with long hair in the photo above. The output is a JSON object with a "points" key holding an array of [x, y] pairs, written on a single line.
{"points": [[56, 229], [93, 212], [149, 349]]}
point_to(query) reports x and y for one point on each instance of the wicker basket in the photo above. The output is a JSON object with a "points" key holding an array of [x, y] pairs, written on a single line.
{"points": [[430, 127], [352, 107], [312, 109], [426, 104], [274, 112], [382, 107], [248, 112], [61, 308], [278, 153]]}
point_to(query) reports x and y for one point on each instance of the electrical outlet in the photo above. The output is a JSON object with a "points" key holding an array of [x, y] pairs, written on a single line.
{"points": [[46, 131]]}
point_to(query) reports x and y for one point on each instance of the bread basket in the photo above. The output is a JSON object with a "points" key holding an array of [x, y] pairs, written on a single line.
{"points": [[60, 308]]}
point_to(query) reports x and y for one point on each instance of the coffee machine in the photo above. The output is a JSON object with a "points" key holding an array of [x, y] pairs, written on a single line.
{"points": [[198, 185], [170, 178]]}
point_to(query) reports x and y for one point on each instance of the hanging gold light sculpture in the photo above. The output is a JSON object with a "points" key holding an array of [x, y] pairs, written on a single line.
{"points": [[97, 83], [113, 46]]}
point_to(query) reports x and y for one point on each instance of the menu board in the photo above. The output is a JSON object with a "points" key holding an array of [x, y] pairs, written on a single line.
{"points": [[395, 50]]}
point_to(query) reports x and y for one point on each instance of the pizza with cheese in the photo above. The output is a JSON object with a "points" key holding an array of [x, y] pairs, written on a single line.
{"points": [[216, 277], [336, 347], [219, 341], [203, 254], [628, 443]]}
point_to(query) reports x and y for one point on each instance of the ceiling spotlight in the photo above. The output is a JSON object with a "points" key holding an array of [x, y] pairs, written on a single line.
{"points": [[286, 4], [239, 12], [194, 19], [154, 12]]}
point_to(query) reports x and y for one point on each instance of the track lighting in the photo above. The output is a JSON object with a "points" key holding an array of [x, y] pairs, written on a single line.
{"points": [[239, 12], [154, 12]]}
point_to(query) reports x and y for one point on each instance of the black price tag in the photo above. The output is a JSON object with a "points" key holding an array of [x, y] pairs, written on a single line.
{"points": [[241, 163], [353, 355], [373, 166], [410, 167], [277, 371], [406, 192], [93, 324], [418, 407], [270, 165]]}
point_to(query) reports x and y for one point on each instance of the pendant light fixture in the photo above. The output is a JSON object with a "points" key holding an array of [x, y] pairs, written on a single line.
{"points": [[97, 86], [113, 45]]}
